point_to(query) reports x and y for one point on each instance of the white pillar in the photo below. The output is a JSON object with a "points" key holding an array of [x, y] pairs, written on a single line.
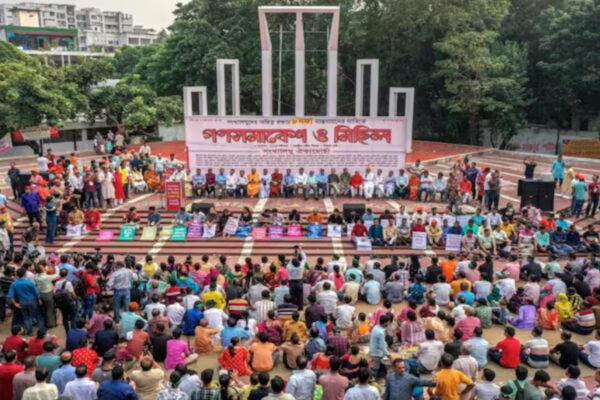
{"points": [[409, 109], [361, 66], [299, 64], [235, 87], [188, 93], [332, 61]]}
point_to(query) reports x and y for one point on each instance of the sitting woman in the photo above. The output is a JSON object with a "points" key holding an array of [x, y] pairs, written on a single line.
{"points": [[564, 308], [547, 316], [321, 361], [273, 327], [92, 219], [517, 300], [235, 358], [351, 363], [526, 318], [137, 181]]}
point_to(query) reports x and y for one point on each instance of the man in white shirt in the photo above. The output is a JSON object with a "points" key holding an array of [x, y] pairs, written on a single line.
{"points": [[155, 303], [402, 184], [380, 184], [439, 187], [301, 181], [573, 372], [215, 316], [486, 389], [231, 183], [344, 314], [42, 163], [430, 352], [369, 184], [426, 187], [175, 313], [328, 299], [82, 388], [362, 391]]}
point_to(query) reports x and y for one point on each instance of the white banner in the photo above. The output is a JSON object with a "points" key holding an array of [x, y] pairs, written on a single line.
{"points": [[231, 226], [363, 244], [453, 242], [290, 142], [419, 241], [209, 231], [334, 231], [74, 230]]}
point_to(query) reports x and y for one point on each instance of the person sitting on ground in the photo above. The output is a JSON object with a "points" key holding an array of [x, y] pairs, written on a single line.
{"points": [[507, 352]]}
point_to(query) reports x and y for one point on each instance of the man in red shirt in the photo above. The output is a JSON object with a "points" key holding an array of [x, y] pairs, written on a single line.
{"points": [[594, 193], [16, 343], [92, 289], [507, 352], [8, 370], [356, 185], [359, 230], [85, 355]]}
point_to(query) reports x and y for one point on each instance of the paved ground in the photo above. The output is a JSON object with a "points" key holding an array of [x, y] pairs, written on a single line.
{"points": [[510, 165]]}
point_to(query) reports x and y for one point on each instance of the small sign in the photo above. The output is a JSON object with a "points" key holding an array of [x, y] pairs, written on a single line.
{"points": [[349, 228], [74, 230], [259, 233], [149, 233], [127, 232], [453, 242], [363, 244], [315, 231], [195, 231], [105, 235], [419, 241], [231, 226], [334, 231], [179, 233], [243, 231], [166, 231], [294, 231], [209, 231], [276, 232]]}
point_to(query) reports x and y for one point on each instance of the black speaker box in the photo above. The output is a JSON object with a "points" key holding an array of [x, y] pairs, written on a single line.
{"points": [[204, 207], [538, 193]]}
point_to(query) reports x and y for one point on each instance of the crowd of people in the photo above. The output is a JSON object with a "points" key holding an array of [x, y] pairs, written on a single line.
{"points": [[137, 328]]}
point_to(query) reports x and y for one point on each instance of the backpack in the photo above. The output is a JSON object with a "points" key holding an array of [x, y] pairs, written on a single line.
{"points": [[78, 286], [520, 395], [62, 297]]}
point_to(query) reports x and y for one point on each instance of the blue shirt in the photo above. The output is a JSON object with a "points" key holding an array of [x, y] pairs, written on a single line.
{"points": [[478, 219], [479, 350], [279, 293], [116, 390], [580, 188], [23, 290], [74, 337], [376, 232], [159, 165], [198, 180], [30, 202], [322, 178], [71, 269], [228, 333], [372, 291], [469, 297], [221, 179], [369, 217], [377, 345], [191, 318], [289, 180], [62, 376]]}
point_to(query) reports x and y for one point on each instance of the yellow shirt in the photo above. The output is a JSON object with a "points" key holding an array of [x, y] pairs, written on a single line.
{"points": [[509, 229], [216, 296], [448, 381], [7, 221]]}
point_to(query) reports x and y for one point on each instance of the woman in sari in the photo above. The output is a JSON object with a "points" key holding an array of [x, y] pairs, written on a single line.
{"points": [[547, 316], [203, 338], [253, 183], [273, 327], [235, 358], [119, 187], [152, 178], [564, 308]]}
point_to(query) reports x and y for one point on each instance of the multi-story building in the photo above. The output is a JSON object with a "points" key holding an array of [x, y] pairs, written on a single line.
{"points": [[95, 30]]}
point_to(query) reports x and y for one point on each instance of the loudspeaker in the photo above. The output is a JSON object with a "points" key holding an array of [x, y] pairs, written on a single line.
{"points": [[359, 208], [203, 207], [24, 180], [539, 193]]}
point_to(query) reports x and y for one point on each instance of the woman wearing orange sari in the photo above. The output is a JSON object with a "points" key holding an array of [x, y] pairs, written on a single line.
{"points": [[203, 338], [152, 179], [276, 179], [253, 183], [235, 358]]}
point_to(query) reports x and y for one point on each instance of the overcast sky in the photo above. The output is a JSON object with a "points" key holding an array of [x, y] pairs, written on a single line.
{"points": [[149, 13]]}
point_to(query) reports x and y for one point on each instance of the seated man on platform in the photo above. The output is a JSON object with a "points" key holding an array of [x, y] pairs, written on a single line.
{"points": [[356, 185], [241, 185], [231, 184], [210, 182], [311, 186], [344, 182], [402, 185], [276, 181], [404, 231], [391, 233], [336, 218], [315, 217], [221, 183], [322, 180], [301, 181], [439, 187], [376, 233], [334, 183], [359, 230], [289, 184], [198, 183]]}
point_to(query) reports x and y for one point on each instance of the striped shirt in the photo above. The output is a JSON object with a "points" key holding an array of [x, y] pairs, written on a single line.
{"points": [[586, 319], [262, 308], [538, 352]]}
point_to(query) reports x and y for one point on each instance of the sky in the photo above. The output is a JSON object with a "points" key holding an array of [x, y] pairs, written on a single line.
{"points": [[155, 14]]}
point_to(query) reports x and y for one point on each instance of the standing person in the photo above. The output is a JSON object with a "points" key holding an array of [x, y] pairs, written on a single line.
{"points": [[31, 203], [593, 197], [558, 171], [24, 295], [363, 391], [378, 348], [44, 283], [400, 384], [448, 380], [65, 300], [530, 165], [13, 176], [580, 189], [120, 283], [51, 220], [295, 270]]}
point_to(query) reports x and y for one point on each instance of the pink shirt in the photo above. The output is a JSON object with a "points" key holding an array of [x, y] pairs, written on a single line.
{"points": [[334, 386], [472, 274], [97, 324], [467, 326], [514, 269], [177, 351]]}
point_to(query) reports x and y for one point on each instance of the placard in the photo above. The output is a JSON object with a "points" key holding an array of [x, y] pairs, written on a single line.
{"points": [[449, 218], [166, 231], [453, 242], [149, 233], [363, 244], [368, 224], [349, 228], [276, 232], [384, 222], [243, 231], [179, 233], [127, 232], [209, 231], [294, 231], [74, 230], [259, 233], [173, 195], [419, 240], [334, 231], [195, 231], [105, 235], [231, 226], [315, 231], [463, 219]]}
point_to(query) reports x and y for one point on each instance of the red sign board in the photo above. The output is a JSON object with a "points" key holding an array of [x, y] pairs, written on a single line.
{"points": [[174, 195]]}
